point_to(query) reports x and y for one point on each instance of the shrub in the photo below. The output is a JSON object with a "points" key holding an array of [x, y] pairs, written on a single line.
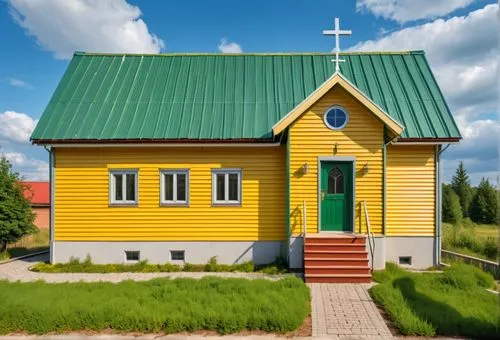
{"points": [[484, 206], [75, 266], [181, 305], [453, 303], [452, 211]]}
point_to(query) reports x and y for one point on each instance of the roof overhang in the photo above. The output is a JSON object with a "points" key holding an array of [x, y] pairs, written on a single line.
{"points": [[426, 141], [338, 79], [83, 143]]}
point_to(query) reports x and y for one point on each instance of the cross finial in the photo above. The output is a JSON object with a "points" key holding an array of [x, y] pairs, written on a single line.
{"points": [[337, 32]]}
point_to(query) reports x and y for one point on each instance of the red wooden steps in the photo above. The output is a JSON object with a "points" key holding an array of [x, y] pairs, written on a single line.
{"points": [[336, 259]]}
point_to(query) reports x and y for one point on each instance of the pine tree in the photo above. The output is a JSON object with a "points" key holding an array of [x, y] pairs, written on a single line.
{"points": [[484, 207], [460, 183], [452, 212], [16, 217]]}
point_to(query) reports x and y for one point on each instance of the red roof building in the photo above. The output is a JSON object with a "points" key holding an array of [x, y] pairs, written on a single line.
{"points": [[39, 195]]}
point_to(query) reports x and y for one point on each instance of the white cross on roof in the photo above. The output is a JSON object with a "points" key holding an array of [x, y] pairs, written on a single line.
{"points": [[337, 32]]}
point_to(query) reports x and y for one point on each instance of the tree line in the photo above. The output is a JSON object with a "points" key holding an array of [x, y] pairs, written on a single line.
{"points": [[461, 200]]}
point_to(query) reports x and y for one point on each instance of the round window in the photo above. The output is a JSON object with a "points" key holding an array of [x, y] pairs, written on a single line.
{"points": [[336, 117]]}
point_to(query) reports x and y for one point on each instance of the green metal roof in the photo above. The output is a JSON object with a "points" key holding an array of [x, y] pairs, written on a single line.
{"points": [[228, 96]]}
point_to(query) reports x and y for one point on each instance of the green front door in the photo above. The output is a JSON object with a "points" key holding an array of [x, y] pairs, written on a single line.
{"points": [[336, 196]]}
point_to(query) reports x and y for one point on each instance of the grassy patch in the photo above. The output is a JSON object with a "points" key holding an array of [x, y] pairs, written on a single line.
{"points": [[479, 240], [454, 303], [160, 305], [75, 266], [27, 245]]}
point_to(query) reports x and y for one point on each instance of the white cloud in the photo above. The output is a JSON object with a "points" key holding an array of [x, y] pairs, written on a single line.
{"points": [[63, 27], [464, 54], [229, 47], [16, 127], [18, 83], [29, 168], [409, 10]]}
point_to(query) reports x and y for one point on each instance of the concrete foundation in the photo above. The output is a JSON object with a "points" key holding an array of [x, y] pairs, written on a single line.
{"points": [[261, 252], [296, 252], [420, 249]]}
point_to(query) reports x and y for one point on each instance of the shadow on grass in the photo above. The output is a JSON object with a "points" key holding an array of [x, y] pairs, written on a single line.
{"points": [[20, 251], [446, 319]]}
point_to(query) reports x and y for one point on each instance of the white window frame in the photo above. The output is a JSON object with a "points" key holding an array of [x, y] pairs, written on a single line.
{"points": [[175, 201], [335, 107], [112, 187], [226, 172]]}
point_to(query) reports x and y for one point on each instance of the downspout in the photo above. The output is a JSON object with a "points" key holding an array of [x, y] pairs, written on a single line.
{"points": [[287, 210], [52, 202], [439, 212]]}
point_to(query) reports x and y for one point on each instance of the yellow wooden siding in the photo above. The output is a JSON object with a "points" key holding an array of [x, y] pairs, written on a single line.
{"points": [[361, 138], [82, 210], [410, 190]]}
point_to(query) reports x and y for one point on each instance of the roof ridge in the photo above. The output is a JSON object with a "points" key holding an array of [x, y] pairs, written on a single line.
{"points": [[409, 52]]}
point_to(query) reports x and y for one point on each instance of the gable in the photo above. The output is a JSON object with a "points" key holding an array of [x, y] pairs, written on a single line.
{"points": [[217, 97], [338, 80]]}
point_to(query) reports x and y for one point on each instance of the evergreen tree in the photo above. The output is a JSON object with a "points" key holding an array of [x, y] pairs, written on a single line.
{"points": [[16, 217], [452, 212], [484, 207], [461, 185]]}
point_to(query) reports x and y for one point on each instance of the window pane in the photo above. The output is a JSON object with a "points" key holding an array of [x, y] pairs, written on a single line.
{"points": [[168, 187], [118, 187], [130, 189], [339, 187], [220, 187], [181, 187], [233, 187]]}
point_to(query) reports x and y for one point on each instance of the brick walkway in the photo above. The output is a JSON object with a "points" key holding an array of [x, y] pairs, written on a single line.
{"points": [[19, 271], [345, 311]]}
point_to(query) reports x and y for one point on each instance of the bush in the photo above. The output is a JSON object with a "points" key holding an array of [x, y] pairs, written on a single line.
{"points": [[453, 303], [452, 211], [484, 205], [464, 239], [75, 266], [160, 305]]}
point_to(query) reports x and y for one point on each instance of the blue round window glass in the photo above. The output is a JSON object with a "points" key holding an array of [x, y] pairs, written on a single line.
{"points": [[336, 118]]}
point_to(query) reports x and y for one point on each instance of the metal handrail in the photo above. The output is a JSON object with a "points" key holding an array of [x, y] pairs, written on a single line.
{"points": [[304, 217], [371, 237]]}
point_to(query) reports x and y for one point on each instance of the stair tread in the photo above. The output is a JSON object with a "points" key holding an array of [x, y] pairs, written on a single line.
{"points": [[336, 251], [336, 244], [338, 275], [336, 267], [334, 258]]}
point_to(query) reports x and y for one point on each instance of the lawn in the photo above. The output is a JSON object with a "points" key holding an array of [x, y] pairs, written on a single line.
{"points": [[452, 303], [27, 245], [478, 240], [160, 305]]}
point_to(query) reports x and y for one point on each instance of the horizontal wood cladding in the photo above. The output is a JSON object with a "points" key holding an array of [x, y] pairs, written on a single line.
{"points": [[411, 178], [82, 210], [361, 138]]}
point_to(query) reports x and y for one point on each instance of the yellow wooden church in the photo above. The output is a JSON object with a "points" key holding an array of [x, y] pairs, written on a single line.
{"points": [[248, 157]]}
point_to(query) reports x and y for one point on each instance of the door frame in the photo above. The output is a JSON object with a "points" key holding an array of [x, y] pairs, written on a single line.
{"points": [[340, 159]]}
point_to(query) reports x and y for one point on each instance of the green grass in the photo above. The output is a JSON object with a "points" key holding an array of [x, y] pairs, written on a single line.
{"points": [[454, 303], [478, 240], [27, 245], [160, 305], [75, 266]]}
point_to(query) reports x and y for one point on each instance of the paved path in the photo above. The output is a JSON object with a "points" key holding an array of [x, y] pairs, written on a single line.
{"points": [[19, 271], [346, 311]]}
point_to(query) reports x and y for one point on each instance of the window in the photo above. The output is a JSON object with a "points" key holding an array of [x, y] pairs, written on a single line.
{"points": [[335, 181], [123, 188], [336, 118], [405, 260], [177, 255], [226, 186], [174, 187], [132, 255]]}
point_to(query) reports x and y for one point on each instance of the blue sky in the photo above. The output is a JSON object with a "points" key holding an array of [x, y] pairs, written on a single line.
{"points": [[459, 37]]}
